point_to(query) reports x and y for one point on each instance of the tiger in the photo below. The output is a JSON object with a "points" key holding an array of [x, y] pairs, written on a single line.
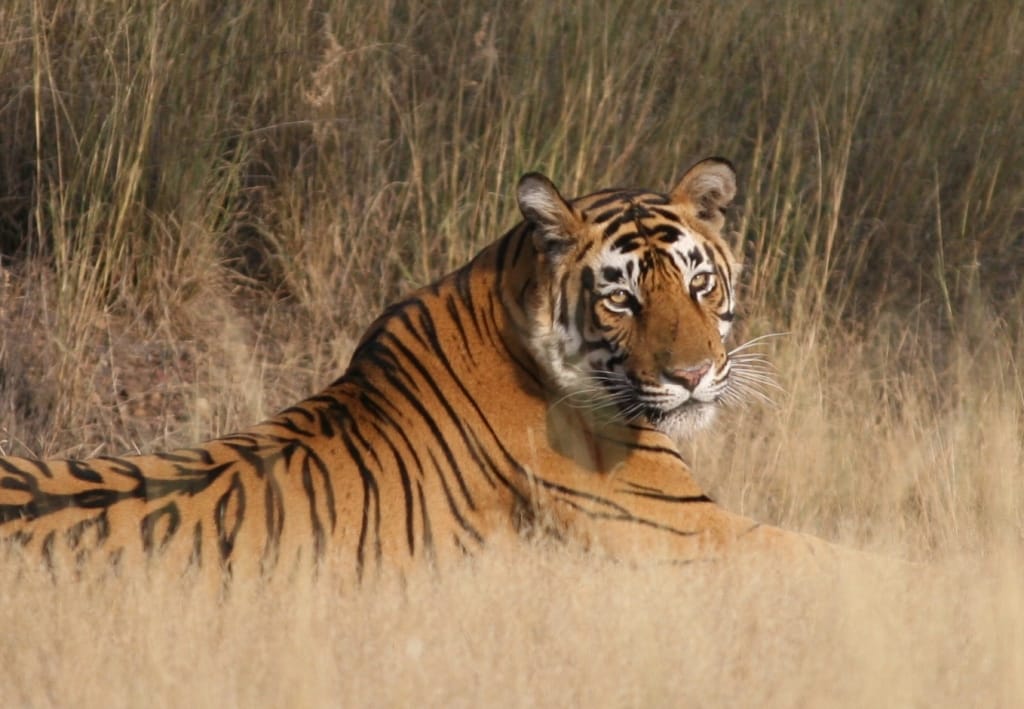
{"points": [[545, 385]]}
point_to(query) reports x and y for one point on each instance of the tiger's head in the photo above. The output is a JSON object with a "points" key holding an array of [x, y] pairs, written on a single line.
{"points": [[634, 297]]}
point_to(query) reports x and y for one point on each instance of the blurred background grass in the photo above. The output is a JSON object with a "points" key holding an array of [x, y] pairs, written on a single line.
{"points": [[877, 142], [203, 204]]}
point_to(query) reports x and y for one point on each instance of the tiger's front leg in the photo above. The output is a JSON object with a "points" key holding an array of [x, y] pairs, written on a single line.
{"points": [[627, 492], [659, 527]]}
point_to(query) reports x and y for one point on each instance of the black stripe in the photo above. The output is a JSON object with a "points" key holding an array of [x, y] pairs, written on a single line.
{"points": [[662, 497], [196, 557], [290, 425], [314, 513], [47, 550], [369, 490], [563, 301], [464, 287], [428, 532], [521, 240], [453, 506], [185, 455], [617, 197], [631, 519], [584, 254], [298, 410], [188, 482], [665, 213], [526, 368], [227, 530], [668, 233], [12, 468], [354, 428], [607, 214], [83, 472], [453, 313], [503, 246], [150, 523], [612, 228], [273, 519], [612, 274], [403, 471], [628, 242], [634, 446], [74, 536], [340, 414]]}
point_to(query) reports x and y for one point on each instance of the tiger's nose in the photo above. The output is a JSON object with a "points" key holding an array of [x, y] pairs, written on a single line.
{"points": [[689, 377]]}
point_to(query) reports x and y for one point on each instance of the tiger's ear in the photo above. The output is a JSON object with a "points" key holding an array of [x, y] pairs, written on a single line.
{"points": [[554, 220], [709, 186]]}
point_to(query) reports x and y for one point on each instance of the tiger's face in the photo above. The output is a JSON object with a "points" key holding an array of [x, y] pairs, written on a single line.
{"points": [[635, 297]]}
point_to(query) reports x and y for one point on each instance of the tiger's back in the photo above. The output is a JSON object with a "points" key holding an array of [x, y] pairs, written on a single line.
{"points": [[373, 471]]}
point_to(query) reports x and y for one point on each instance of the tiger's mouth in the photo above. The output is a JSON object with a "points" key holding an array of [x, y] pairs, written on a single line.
{"points": [[661, 408], [616, 396], [658, 413]]}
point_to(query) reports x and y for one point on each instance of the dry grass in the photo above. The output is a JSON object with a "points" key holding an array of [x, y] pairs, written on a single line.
{"points": [[530, 627], [202, 205]]}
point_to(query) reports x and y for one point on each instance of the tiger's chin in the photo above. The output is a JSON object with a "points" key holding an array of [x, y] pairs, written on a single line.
{"points": [[683, 422]]}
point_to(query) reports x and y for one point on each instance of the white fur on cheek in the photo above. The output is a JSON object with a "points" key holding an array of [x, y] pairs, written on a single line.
{"points": [[548, 348], [549, 343], [686, 423]]}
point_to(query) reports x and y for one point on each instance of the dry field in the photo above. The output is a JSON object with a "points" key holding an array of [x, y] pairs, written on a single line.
{"points": [[202, 205]]}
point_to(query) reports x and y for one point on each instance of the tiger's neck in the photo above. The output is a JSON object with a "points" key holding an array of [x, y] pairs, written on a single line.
{"points": [[461, 345], [470, 326]]}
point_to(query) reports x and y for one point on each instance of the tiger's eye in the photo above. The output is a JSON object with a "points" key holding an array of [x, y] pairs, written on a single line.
{"points": [[618, 297], [700, 281]]}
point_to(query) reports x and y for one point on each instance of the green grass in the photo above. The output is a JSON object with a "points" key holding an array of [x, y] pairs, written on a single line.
{"points": [[202, 206]]}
